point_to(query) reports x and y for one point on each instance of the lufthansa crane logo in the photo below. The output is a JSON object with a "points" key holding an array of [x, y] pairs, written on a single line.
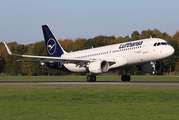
{"points": [[51, 46]]}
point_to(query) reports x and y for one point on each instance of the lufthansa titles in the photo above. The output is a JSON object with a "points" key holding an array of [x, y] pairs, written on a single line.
{"points": [[130, 44]]}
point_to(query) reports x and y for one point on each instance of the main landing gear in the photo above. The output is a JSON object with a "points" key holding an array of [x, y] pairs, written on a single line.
{"points": [[91, 78], [125, 78]]}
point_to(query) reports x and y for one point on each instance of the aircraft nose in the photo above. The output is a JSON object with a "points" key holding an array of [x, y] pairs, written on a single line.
{"points": [[170, 51]]}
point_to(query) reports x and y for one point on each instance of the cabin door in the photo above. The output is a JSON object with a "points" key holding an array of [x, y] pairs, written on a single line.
{"points": [[145, 46]]}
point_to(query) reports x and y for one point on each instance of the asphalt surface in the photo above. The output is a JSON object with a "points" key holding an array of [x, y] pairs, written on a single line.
{"points": [[90, 83]]}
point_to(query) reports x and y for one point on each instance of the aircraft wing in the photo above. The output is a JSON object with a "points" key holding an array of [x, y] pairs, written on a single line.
{"points": [[62, 60]]}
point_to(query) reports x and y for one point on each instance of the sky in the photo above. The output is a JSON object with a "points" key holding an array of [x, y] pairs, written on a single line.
{"points": [[21, 20]]}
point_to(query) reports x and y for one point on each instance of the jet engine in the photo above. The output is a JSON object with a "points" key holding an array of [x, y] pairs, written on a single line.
{"points": [[98, 67], [152, 67]]}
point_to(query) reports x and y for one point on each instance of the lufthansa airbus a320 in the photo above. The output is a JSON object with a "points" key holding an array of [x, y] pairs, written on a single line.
{"points": [[144, 52]]}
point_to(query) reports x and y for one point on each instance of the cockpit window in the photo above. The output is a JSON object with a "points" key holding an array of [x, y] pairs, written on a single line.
{"points": [[161, 43], [158, 44]]}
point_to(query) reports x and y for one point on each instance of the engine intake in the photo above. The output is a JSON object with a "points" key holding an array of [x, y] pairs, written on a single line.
{"points": [[99, 67], [149, 67]]}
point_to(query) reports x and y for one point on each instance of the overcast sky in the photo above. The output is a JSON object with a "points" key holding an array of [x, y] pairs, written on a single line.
{"points": [[21, 20]]}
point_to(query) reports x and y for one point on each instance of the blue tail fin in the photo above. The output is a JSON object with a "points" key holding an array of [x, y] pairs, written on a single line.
{"points": [[53, 47]]}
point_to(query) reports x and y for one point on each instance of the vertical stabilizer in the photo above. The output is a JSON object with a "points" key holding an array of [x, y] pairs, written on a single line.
{"points": [[54, 49]]}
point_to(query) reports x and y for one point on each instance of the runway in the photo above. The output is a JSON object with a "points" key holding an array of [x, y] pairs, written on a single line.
{"points": [[49, 83]]}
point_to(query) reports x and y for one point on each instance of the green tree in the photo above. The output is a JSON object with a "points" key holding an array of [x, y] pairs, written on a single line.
{"points": [[78, 44], [176, 35], [66, 44], [135, 35]]}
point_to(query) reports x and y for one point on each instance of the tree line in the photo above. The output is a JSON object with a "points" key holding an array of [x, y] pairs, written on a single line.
{"points": [[9, 65]]}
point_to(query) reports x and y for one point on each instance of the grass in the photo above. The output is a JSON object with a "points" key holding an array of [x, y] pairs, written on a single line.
{"points": [[88, 102], [83, 78]]}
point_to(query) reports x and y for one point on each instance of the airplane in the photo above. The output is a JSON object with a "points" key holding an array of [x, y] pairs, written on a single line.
{"points": [[145, 52]]}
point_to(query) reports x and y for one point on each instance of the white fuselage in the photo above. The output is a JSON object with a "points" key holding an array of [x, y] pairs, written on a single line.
{"points": [[125, 54]]}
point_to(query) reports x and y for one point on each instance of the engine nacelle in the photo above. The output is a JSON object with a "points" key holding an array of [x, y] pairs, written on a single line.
{"points": [[151, 67], [98, 67]]}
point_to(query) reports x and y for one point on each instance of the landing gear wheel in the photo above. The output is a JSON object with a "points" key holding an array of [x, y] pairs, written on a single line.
{"points": [[125, 78], [88, 78], [91, 78], [128, 78]]}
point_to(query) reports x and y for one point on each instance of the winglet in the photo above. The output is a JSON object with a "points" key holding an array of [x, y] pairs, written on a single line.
{"points": [[8, 50]]}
